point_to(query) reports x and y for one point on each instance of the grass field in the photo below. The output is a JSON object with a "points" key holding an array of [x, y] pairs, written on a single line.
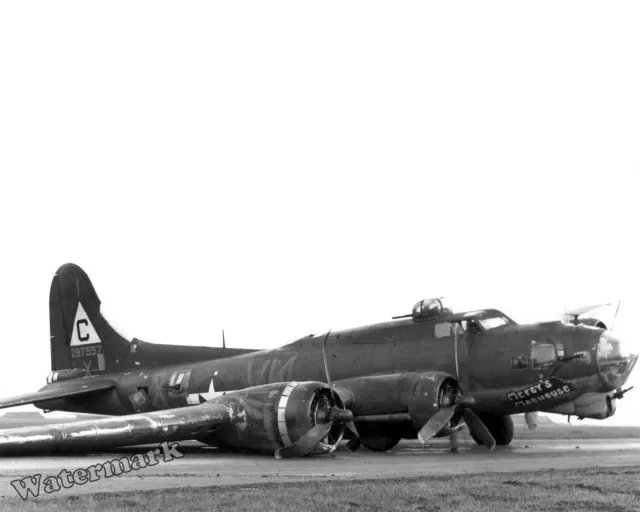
{"points": [[589, 490]]}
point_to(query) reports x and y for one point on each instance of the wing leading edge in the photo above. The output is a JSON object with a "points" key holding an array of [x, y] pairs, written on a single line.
{"points": [[116, 431]]}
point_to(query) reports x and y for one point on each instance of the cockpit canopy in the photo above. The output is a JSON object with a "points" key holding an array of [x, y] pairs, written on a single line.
{"points": [[474, 321]]}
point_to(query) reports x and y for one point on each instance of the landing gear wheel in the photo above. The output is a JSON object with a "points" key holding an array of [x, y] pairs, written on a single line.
{"points": [[501, 428], [379, 443]]}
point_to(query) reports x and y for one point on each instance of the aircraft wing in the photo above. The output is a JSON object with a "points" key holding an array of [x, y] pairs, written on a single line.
{"points": [[63, 389], [270, 418], [116, 431]]}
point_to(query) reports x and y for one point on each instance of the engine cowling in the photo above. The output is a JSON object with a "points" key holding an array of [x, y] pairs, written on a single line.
{"points": [[384, 399], [433, 391], [593, 322], [273, 416]]}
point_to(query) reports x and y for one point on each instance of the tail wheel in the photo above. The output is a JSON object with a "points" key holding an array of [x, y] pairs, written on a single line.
{"points": [[501, 428]]}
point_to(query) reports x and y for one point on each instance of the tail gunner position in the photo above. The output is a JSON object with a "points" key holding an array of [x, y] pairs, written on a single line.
{"points": [[419, 375]]}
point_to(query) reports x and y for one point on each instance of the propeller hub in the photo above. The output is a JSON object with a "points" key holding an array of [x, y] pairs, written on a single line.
{"points": [[341, 415], [323, 416], [465, 401]]}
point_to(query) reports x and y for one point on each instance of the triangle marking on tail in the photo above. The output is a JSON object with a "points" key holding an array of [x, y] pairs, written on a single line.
{"points": [[83, 330]]}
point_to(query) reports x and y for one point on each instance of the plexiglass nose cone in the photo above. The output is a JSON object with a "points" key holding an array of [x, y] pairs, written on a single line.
{"points": [[615, 360]]}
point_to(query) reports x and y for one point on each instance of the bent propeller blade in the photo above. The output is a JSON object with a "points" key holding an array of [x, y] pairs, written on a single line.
{"points": [[435, 424], [353, 444], [324, 358], [479, 429], [532, 419], [306, 443]]}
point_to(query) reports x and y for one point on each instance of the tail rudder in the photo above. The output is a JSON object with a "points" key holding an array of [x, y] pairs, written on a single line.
{"points": [[81, 338]]}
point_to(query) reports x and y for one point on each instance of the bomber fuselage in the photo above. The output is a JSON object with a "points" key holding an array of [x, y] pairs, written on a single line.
{"points": [[506, 367]]}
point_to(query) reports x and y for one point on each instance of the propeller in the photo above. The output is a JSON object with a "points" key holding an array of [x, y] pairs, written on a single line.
{"points": [[615, 315], [354, 443], [573, 316], [306, 443], [439, 420], [321, 429]]}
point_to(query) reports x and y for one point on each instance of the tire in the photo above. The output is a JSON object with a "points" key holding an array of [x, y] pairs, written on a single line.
{"points": [[379, 443], [501, 428]]}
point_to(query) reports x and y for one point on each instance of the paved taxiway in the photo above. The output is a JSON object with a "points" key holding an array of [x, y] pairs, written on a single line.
{"points": [[203, 466]]}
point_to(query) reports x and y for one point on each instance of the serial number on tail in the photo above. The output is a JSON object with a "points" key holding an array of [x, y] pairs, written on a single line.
{"points": [[87, 351]]}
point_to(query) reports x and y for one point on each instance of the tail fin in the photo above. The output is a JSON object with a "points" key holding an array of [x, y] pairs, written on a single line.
{"points": [[80, 336]]}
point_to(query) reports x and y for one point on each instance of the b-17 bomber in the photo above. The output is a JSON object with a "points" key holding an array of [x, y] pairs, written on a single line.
{"points": [[419, 375]]}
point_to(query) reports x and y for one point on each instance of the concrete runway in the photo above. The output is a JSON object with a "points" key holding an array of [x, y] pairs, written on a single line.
{"points": [[204, 466]]}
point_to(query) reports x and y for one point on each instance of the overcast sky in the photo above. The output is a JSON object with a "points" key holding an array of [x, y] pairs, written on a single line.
{"points": [[283, 168]]}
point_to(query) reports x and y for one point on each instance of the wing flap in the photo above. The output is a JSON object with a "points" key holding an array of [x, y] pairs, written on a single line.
{"points": [[116, 431], [62, 390]]}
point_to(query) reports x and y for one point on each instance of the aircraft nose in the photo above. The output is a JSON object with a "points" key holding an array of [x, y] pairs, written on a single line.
{"points": [[615, 360]]}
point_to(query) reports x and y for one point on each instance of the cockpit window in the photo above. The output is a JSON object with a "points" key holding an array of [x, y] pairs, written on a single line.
{"points": [[543, 354], [493, 322]]}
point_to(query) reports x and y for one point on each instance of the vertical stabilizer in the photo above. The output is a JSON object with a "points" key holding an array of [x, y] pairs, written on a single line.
{"points": [[80, 336]]}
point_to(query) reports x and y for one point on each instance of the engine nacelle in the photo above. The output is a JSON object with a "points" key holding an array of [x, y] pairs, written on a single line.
{"points": [[386, 399], [433, 391], [597, 406], [266, 418], [593, 322]]}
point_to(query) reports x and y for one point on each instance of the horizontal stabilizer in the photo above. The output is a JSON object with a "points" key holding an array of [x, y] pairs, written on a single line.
{"points": [[65, 389]]}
